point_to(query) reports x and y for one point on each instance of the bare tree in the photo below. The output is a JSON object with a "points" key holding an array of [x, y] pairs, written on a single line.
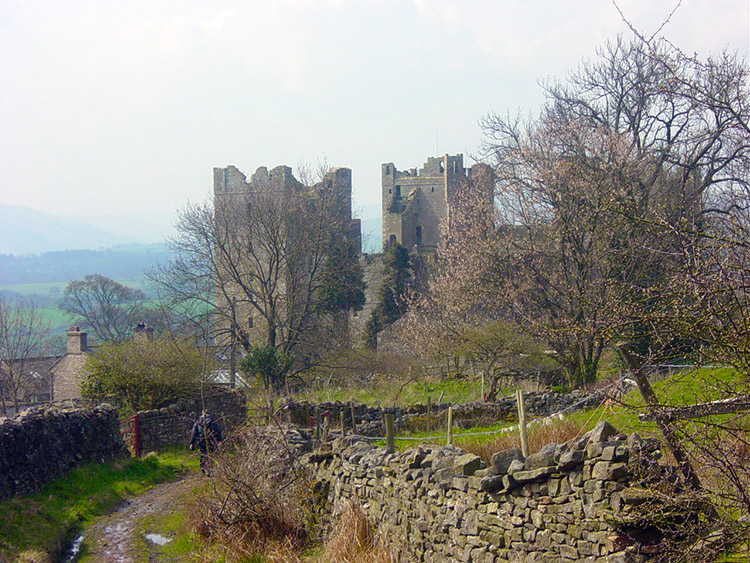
{"points": [[23, 337], [625, 213], [250, 266], [624, 148], [108, 307]]}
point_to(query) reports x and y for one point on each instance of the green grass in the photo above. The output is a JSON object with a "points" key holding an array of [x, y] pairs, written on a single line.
{"points": [[55, 317], [682, 388], [51, 288], [45, 521], [56, 289], [388, 391]]}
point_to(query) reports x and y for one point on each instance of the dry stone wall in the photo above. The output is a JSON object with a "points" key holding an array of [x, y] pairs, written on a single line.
{"points": [[439, 504], [369, 420], [41, 444], [171, 426]]}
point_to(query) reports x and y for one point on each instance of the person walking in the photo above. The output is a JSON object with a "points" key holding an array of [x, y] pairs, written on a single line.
{"points": [[207, 435]]}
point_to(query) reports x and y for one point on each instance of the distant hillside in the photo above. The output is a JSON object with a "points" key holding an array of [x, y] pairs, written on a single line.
{"points": [[125, 262], [29, 231]]}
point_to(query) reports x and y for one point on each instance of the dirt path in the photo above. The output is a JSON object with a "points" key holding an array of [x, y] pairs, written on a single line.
{"points": [[114, 538]]}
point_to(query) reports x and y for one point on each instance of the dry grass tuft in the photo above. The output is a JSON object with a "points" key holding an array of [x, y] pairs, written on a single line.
{"points": [[253, 505], [355, 540], [539, 436]]}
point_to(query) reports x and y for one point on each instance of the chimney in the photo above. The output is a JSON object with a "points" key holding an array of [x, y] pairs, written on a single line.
{"points": [[76, 341], [143, 332]]}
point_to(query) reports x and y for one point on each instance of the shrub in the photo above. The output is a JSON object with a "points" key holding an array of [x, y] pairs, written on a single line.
{"points": [[255, 504], [144, 374]]}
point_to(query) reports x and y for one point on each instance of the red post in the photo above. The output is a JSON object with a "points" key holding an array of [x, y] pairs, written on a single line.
{"points": [[136, 436]]}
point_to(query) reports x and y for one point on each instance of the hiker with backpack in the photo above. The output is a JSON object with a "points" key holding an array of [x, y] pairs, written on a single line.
{"points": [[207, 435]]}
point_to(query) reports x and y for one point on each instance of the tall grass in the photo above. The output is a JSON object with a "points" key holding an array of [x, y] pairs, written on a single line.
{"points": [[539, 436], [355, 540]]}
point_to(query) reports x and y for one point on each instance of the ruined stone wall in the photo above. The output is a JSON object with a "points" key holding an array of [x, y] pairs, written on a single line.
{"points": [[418, 198], [171, 425], [369, 420], [439, 504], [43, 443]]}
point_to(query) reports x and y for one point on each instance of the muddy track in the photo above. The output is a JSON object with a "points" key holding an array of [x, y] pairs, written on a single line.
{"points": [[117, 537]]}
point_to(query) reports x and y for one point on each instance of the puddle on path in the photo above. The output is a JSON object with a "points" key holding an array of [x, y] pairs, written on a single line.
{"points": [[73, 551], [158, 539]]}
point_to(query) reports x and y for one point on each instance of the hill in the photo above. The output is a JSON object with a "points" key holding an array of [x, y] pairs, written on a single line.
{"points": [[124, 262], [27, 231]]}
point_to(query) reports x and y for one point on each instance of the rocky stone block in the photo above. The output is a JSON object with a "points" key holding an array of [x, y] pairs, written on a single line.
{"points": [[501, 461], [467, 464]]}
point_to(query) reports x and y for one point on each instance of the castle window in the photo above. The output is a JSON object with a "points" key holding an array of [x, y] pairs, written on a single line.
{"points": [[387, 169], [390, 191], [398, 191], [432, 189], [419, 234]]}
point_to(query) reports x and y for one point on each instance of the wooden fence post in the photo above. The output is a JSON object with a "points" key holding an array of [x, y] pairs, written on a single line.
{"points": [[390, 446], [354, 421], [326, 425], [522, 423], [136, 435], [450, 426], [429, 412], [343, 426], [316, 431]]}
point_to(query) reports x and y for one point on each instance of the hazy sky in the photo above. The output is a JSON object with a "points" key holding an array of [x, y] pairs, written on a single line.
{"points": [[125, 107]]}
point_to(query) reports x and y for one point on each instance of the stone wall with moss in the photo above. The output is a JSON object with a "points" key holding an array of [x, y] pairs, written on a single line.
{"points": [[171, 426], [368, 421], [569, 502], [43, 443]]}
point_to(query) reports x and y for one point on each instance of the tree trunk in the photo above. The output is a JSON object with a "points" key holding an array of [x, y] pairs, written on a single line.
{"points": [[667, 429]]}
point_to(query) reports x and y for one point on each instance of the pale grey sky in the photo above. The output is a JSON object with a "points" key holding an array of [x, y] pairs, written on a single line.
{"points": [[125, 107]]}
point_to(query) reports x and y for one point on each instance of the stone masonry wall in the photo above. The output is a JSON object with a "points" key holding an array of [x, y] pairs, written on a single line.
{"points": [[171, 426], [43, 443], [439, 504], [369, 420]]}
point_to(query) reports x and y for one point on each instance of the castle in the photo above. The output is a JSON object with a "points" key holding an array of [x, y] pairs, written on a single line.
{"points": [[416, 209], [417, 203]]}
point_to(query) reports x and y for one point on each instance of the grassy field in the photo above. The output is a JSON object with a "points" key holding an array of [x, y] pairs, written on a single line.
{"points": [[44, 522], [56, 289], [681, 388], [388, 391]]}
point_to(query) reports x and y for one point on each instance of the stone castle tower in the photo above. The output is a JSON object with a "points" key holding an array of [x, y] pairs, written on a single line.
{"points": [[231, 190], [417, 202]]}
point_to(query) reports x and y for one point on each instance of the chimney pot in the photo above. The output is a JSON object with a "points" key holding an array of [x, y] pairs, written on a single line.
{"points": [[76, 341]]}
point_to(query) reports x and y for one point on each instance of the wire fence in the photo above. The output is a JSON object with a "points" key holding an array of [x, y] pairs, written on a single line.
{"points": [[608, 395]]}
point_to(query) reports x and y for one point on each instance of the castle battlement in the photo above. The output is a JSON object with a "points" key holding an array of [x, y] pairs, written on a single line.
{"points": [[416, 202]]}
